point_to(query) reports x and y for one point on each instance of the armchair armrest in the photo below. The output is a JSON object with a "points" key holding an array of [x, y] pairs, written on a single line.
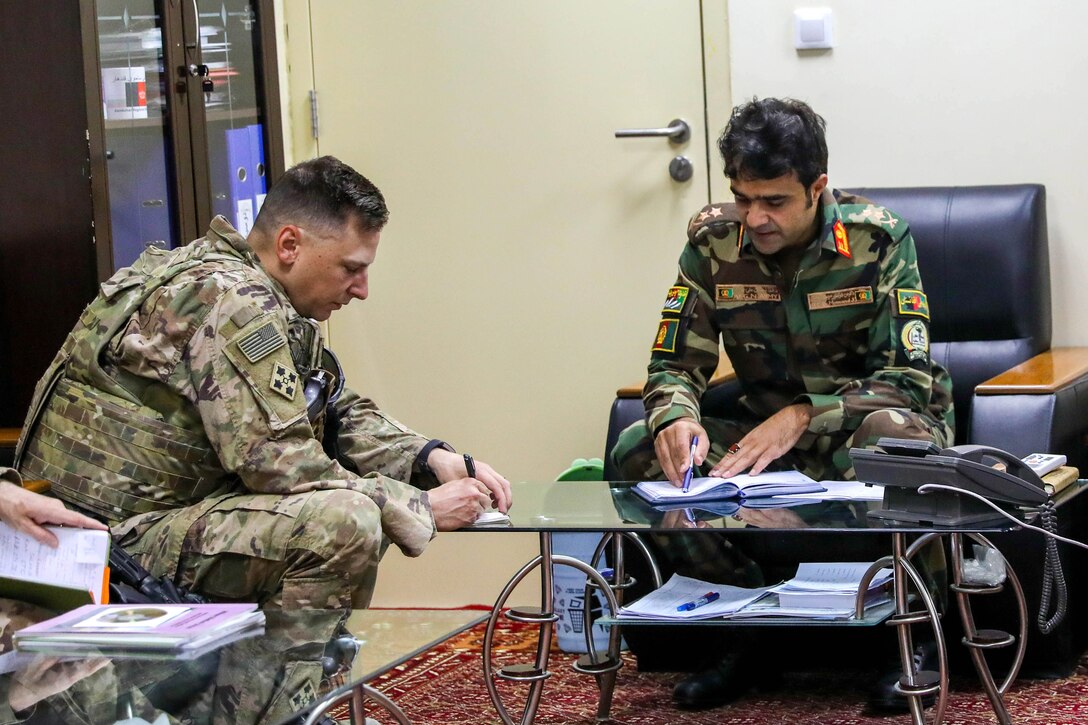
{"points": [[723, 374], [1036, 407], [1045, 373]]}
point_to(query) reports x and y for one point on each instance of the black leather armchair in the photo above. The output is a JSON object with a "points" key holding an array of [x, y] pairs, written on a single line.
{"points": [[984, 259]]}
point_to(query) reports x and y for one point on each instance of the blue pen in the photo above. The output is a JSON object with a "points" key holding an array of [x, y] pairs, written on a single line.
{"points": [[705, 599], [691, 464]]}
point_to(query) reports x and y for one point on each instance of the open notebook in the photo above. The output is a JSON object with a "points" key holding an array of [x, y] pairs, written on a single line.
{"points": [[714, 489]]}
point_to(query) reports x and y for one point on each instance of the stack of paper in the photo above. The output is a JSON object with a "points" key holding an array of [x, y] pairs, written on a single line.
{"points": [[671, 600], [832, 586]]}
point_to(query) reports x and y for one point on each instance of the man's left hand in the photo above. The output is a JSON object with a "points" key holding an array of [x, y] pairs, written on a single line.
{"points": [[768, 441], [449, 466]]}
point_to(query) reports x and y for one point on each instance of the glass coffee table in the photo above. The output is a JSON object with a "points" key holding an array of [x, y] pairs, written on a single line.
{"points": [[613, 510], [301, 666]]}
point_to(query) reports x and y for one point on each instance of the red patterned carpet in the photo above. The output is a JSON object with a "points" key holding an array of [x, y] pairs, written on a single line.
{"points": [[445, 685]]}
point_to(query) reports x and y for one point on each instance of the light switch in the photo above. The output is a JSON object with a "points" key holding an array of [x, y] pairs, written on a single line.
{"points": [[813, 28]]}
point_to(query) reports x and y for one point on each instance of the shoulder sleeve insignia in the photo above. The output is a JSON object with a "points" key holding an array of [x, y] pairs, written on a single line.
{"points": [[667, 331], [262, 342], [675, 299], [842, 242], [912, 302], [284, 381], [915, 339]]}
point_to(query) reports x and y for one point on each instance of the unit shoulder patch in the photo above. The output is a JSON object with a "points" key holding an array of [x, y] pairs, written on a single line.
{"points": [[675, 300], [915, 339]]}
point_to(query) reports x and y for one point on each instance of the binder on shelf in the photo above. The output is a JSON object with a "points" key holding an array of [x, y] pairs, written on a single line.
{"points": [[260, 176], [240, 179]]}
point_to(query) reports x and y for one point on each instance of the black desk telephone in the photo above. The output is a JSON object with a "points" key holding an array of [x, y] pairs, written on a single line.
{"points": [[901, 466]]}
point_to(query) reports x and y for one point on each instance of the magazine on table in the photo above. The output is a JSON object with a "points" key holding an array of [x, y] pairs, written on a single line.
{"points": [[133, 628], [744, 486]]}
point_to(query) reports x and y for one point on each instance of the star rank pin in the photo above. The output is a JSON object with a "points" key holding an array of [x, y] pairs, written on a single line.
{"points": [[284, 381]]}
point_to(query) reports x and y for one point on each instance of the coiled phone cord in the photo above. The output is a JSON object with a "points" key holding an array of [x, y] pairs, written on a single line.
{"points": [[1053, 577]]}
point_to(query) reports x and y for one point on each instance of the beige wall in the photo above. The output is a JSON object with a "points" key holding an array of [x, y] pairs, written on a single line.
{"points": [[939, 92]]}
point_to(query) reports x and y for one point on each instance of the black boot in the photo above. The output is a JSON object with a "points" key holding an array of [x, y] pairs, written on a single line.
{"points": [[884, 698], [730, 679]]}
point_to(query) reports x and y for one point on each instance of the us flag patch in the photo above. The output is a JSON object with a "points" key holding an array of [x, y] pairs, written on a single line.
{"points": [[261, 342]]}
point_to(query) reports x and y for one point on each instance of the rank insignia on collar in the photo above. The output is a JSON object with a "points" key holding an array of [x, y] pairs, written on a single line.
{"points": [[284, 381], [666, 336], [912, 302], [675, 299], [842, 243]]}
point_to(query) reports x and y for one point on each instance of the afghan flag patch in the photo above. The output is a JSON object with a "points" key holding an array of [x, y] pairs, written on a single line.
{"points": [[912, 302], [665, 341], [675, 299]]}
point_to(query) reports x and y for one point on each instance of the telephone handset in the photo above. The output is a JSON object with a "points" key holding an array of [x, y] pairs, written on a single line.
{"points": [[907, 464]]}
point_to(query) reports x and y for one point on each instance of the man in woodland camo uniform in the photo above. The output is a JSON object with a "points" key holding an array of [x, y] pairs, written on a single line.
{"points": [[816, 297], [187, 410]]}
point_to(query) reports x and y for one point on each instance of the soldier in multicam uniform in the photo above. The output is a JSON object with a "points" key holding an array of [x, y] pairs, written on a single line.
{"points": [[816, 297], [179, 411]]}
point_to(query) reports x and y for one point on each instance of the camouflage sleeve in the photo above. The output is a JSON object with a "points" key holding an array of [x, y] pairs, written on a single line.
{"points": [[898, 361], [372, 440], [685, 349], [254, 414]]}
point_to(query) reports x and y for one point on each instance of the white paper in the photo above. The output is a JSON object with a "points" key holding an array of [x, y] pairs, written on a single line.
{"points": [[845, 490], [76, 563], [664, 490], [834, 576], [662, 603]]}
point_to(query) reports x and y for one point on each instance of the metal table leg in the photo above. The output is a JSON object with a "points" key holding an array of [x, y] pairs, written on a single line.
{"points": [[978, 641], [543, 616], [913, 684]]}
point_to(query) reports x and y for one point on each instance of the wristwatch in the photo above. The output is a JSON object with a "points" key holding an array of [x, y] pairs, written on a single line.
{"points": [[425, 452]]}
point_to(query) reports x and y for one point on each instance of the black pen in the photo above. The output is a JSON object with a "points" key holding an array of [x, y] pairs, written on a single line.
{"points": [[470, 466]]}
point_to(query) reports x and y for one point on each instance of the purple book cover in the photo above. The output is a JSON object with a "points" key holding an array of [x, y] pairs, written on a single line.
{"points": [[180, 620]]}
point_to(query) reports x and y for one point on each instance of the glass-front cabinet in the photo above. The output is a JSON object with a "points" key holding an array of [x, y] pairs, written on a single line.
{"points": [[190, 124]]}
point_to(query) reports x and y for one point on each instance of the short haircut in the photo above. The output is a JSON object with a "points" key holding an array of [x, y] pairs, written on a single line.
{"points": [[768, 138], [323, 192]]}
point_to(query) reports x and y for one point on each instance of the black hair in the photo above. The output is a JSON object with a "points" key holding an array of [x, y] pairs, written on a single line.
{"points": [[323, 192], [768, 138]]}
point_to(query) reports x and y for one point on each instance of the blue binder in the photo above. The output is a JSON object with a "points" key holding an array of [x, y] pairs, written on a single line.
{"points": [[240, 168], [260, 172]]}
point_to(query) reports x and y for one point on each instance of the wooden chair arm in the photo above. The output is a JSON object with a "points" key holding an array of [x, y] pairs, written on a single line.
{"points": [[723, 374], [1045, 373], [37, 486], [9, 437]]}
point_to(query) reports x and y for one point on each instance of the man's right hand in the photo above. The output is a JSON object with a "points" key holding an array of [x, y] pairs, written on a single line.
{"points": [[673, 446], [456, 504]]}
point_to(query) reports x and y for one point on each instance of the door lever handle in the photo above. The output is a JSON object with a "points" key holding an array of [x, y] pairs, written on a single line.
{"points": [[678, 131]]}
